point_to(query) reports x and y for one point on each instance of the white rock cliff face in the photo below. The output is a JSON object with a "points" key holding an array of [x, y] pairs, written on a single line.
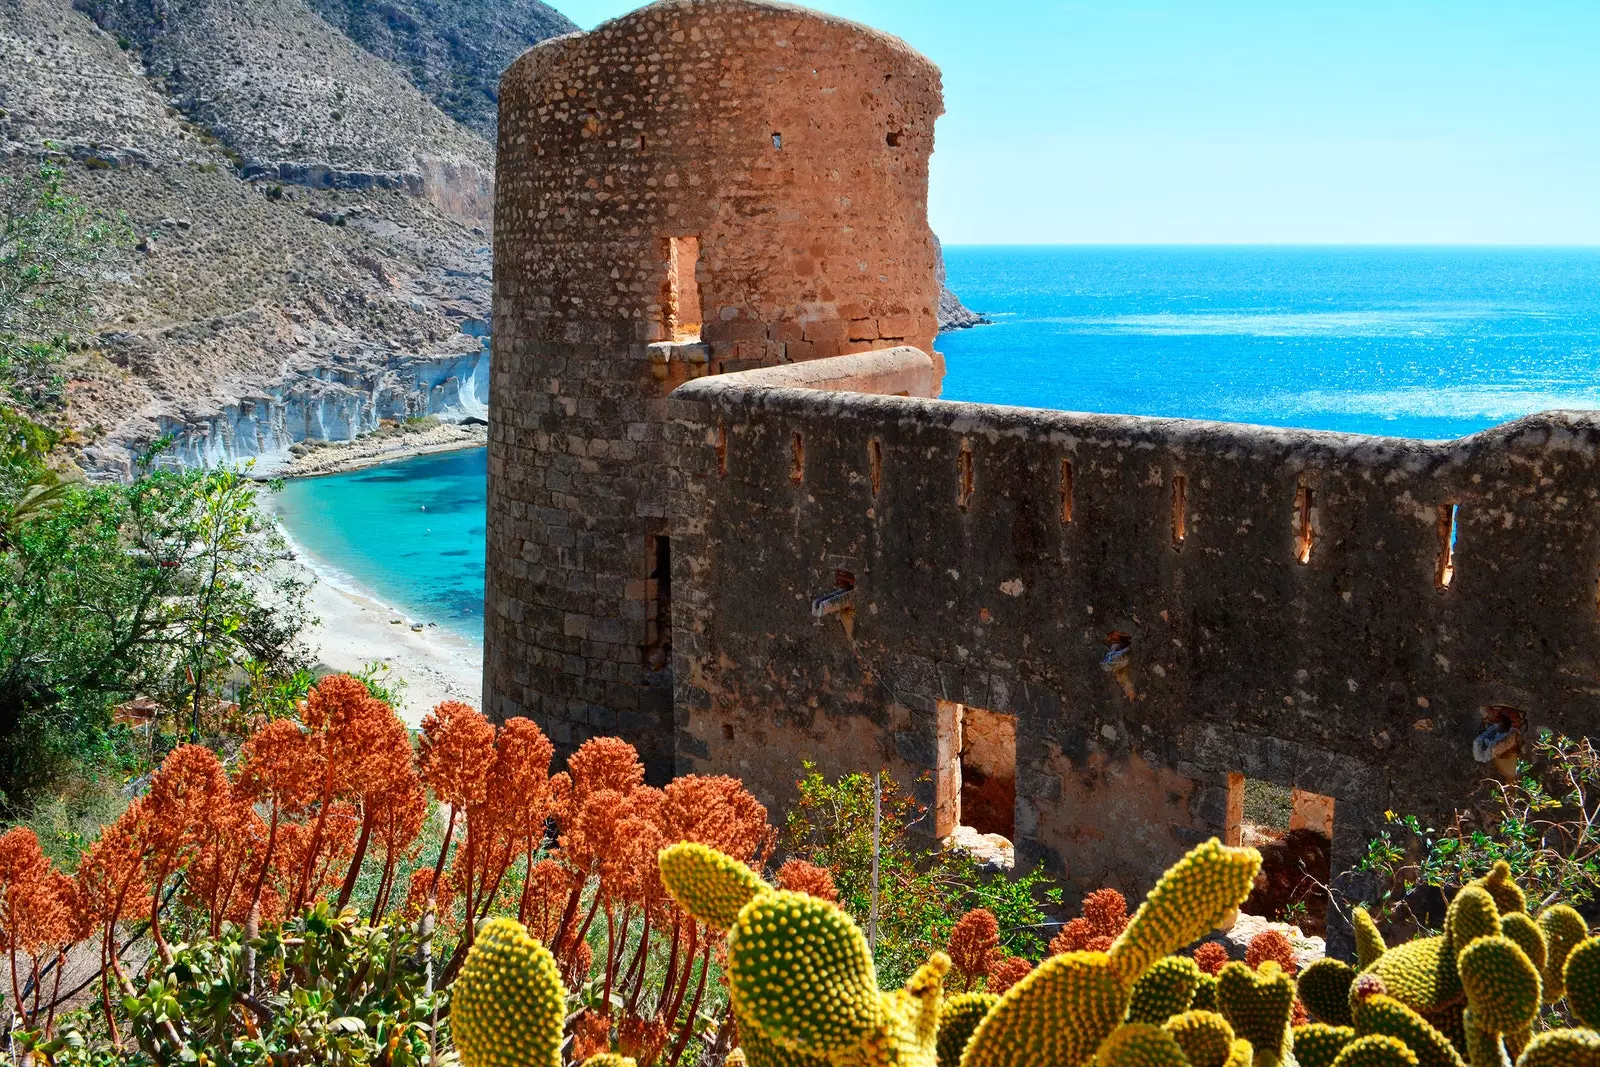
{"points": [[328, 404]]}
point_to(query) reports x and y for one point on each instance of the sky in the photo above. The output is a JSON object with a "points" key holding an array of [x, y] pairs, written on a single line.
{"points": [[1290, 122]]}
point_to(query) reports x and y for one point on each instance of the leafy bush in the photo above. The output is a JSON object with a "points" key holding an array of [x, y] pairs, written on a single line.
{"points": [[923, 891], [1545, 824]]}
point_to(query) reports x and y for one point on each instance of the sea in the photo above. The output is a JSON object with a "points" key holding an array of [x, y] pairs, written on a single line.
{"points": [[1431, 343]]}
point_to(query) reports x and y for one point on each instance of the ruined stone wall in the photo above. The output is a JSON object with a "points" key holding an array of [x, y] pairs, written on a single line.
{"points": [[793, 147], [1295, 606]]}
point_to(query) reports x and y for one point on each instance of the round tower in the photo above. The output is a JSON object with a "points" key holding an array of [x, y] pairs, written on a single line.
{"points": [[697, 187]]}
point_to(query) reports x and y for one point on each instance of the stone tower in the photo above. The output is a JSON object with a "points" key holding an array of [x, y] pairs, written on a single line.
{"points": [[697, 187]]}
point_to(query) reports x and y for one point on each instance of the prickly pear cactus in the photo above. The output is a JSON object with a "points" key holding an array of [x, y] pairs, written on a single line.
{"points": [[958, 1019], [508, 1005]]}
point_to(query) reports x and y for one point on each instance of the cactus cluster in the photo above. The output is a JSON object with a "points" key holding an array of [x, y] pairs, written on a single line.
{"points": [[1471, 995], [805, 994]]}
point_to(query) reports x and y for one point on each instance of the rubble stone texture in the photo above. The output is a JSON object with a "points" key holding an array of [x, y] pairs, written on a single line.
{"points": [[792, 148]]}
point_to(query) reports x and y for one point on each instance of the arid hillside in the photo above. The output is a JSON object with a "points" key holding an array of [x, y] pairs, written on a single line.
{"points": [[309, 233]]}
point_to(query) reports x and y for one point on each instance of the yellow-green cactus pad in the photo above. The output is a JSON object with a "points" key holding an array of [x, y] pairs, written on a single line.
{"points": [[1376, 1050], [1205, 1037], [1324, 988], [610, 1059], [1380, 1014], [1258, 1004], [1582, 976], [958, 1020], [1562, 1048], [1318, 1044], [1369, 942], [1197, 895], [508, 1005], [1508, 896], [1421, 974], [1502, 984], [1241, 1055], [707, 884], [1484, 1048], [800, 972], [1140, 1045], [1058, 1014], [1525, 932], [1163, 991], [759, 1052], [1563, 929], [1471, 915], [911, 1016]]}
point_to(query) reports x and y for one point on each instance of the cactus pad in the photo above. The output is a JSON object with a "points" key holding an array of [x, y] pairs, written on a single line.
{"points": [[610, 1059], [1195, 896], [1420, 974], [707, 884], [1163, 991], [507, 1006], [1582, 974], [1205, 1037], [800, 972], [1058, 1014], [1525, 932], [1258, 1004], [1502, 984], [958, 1019], [1508, 896], [1205, 994], [1471, 915], [1376, 1050], [1140, 1045], [1324, 988], [1563, 929], [1562, 1048], [1369, 942], [1381, 1014], [1318, 1044]]}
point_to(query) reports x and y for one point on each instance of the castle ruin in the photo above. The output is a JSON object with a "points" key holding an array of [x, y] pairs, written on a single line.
{"points": [[730, 520]]}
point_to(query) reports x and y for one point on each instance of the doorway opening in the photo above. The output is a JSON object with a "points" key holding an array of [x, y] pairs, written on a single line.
{"points": [[976, 780], [683, 289], [658, 606], [1293, 829]]}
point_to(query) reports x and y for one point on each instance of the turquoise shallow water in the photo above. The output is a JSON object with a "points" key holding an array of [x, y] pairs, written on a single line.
{"points": [[412, 532], [1430, 343]]}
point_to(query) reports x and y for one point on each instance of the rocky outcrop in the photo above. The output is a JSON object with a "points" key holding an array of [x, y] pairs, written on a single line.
{"points": [[953, 314]]}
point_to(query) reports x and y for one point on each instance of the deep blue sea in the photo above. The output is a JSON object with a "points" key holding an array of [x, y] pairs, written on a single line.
{"points": [[1431, 343]]}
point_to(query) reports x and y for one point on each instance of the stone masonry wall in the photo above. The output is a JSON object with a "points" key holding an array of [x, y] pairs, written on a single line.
{"points": [[794, 148], [1296, 606]]}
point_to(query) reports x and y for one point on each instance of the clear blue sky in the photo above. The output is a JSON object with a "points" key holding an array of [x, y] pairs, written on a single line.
{"points": [[1358, 121]]}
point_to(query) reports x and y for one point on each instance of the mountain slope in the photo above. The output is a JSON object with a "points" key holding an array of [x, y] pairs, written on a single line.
{"points": [[253, 313], [452, 50]]}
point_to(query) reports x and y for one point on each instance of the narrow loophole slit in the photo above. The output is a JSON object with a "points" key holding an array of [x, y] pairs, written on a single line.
{"points": [[797, 460], [722, 450], [1447, 544], [964, 470], [875, 463], [1303, 503], [1180, 494], [1066, 491]]}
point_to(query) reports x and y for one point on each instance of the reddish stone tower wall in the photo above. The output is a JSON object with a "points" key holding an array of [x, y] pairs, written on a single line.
{"points": [[764, 161]]}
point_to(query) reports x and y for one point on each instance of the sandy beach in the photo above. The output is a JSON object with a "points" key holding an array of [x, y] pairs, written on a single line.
{"points": [[355, 628], [334, 457]]}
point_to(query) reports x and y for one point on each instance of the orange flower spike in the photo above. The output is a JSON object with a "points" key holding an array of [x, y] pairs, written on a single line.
{"points": [[1271, 945], [1005, 973], [277, 764], [798, 876], [973, 942], [1073, 937], [457, 752], [604, 763], [717, 811], [1211, 957], [1106, 911]]}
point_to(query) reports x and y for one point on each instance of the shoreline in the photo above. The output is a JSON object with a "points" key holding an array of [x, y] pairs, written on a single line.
{"points": [[355, 628], [338, 457]]}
